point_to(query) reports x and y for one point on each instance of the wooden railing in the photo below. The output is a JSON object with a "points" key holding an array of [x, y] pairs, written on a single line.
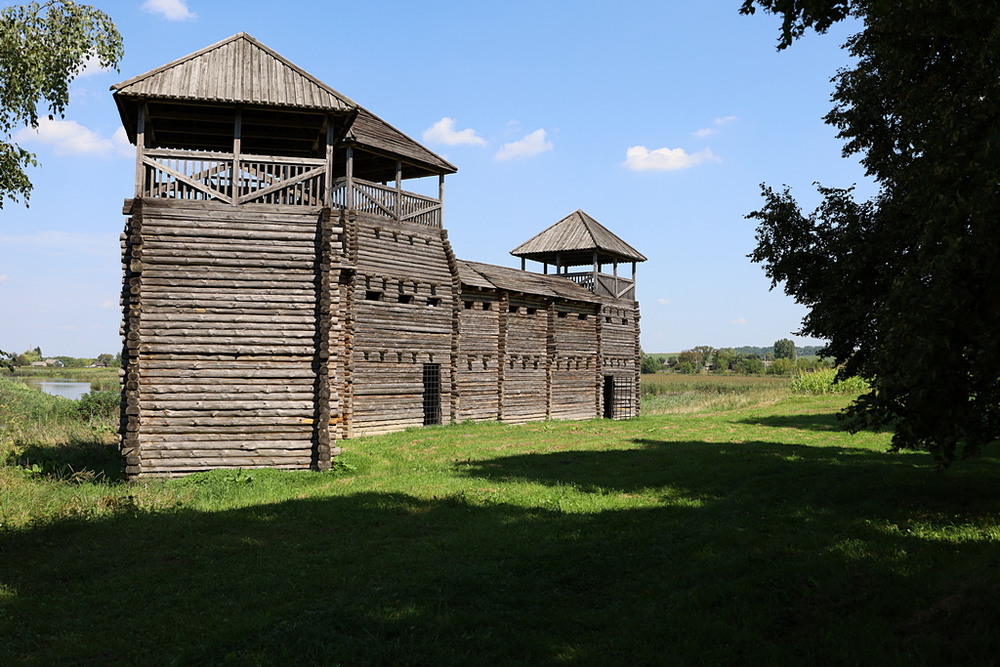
{"points": [[256, 179], [261, 179], [615, 287], [386, 202]]}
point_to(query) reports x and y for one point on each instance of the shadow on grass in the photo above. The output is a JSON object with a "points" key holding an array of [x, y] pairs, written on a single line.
{"points": [[765, 568], [78, 461], [821, 421]]}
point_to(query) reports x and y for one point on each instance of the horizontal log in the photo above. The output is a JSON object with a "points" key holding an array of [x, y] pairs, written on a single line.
{"points": [[153, 348], [205, 463]]}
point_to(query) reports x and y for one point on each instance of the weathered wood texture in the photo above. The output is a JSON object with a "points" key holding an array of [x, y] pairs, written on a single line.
{"points": [[231, 317], [620, 354], [403, 311]]}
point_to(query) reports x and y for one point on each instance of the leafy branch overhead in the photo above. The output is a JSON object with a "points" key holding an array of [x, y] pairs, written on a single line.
{"points": [[43, 46], [905, 286]]}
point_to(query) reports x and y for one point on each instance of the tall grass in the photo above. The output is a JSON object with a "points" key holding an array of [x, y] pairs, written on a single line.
{"points": [[824, 381], [670, 393]]}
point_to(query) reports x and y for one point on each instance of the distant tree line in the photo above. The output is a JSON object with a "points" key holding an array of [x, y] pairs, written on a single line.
{"points": [[35, 355], [782, 358]]}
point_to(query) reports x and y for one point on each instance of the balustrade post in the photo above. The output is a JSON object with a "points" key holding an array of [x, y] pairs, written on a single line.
{"points": [[349, 200], [328, 176], [441, 200], [140, 145], [235, 177], [399, 191]]}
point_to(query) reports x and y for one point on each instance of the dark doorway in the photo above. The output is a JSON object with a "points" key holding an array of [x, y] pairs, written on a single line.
{"points": [[432, 394], [609, 396]]}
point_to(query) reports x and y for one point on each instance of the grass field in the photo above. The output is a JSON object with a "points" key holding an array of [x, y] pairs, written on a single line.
{"points": [[750, 530]]}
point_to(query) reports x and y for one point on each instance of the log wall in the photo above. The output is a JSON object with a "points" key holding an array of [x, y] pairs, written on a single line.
{"points": [[261, 335], [621, 355], [403, 297], [228, 330]]}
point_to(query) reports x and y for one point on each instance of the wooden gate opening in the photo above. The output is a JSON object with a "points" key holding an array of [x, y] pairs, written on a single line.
{"points": [[432, 394], [609, 396]]}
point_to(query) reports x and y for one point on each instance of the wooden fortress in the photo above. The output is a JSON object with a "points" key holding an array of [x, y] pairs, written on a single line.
{"points": [[283, 292]]}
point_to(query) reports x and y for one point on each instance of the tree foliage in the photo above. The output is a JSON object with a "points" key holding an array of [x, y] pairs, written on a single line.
{"points": [[905, 286], [784, 349], [43, 46]]}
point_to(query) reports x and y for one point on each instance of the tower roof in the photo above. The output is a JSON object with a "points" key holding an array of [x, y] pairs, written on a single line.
{"points": [[283, 104], [237, 70], [575, 239]]}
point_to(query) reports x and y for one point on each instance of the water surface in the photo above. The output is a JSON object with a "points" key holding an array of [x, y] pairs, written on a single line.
{"points": [[66, 388]]}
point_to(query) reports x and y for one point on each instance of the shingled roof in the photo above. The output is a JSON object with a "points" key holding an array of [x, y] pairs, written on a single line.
{"points": [[575, 239], [240, 70], [489, 276], [237, 70]]}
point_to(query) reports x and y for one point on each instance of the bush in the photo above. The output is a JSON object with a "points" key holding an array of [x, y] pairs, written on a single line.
{"points": [[824, 381], [99, 405]]}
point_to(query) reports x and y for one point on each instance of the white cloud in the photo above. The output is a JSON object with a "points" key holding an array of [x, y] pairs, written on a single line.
{"points": [[739, 320], [91, 66], [444, 132], [640, 158], [528, 146], [704, 132], [709, 131], [172, 10], [68, 137], [4, 278], [109, 303], [663, 302], [121, 143]]}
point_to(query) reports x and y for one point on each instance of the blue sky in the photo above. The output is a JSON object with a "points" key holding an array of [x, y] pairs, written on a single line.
{"points": [[659, 119]]}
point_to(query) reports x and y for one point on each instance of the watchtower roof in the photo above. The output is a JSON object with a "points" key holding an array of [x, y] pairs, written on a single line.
{"points": [[575, 239], [280, 99], [237, 70]]}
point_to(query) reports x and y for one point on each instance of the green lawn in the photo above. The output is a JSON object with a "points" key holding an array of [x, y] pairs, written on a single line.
{"points": [[761, 534]]}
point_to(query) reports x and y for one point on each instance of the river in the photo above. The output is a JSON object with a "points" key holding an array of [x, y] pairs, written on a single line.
{"points": [[73, 389]]}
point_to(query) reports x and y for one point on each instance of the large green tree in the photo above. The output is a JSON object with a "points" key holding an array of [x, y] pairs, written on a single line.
{"points": [[43, 46], [905, 285], [784, 349]]}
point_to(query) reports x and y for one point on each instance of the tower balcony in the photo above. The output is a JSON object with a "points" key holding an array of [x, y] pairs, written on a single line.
{"points": [[604, 284], [266, 179]]}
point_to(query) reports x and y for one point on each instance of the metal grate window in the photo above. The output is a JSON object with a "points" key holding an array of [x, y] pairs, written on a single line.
{"points": [[618, 397], [432, 394]]}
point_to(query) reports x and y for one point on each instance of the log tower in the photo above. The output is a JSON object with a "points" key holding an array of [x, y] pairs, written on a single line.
{"points": [[578, 248], [266, 205], [283, 292]]}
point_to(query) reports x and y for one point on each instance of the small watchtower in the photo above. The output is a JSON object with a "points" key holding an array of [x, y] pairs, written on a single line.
{"points": [[580, 241]]}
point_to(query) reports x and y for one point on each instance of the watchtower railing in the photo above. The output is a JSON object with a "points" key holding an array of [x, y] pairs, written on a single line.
{"points": [[250, 179], [612, 286], [386, 201], [264, 179]]}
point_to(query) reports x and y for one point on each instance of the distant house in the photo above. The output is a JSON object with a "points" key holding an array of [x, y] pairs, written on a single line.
{"points": [[47, 363], [98, 364]]}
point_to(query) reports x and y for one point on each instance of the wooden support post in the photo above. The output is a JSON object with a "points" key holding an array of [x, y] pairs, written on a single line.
{"points": [[140, 144], [236, 178], [328, 177], [441, 200], [349, 202], [617, 288], [594, 288], [398, 212], [522, 263]]}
